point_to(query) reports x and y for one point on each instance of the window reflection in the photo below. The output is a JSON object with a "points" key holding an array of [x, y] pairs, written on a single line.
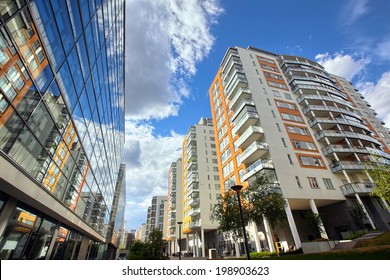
{"points": [[9, 7], [17, 233]]}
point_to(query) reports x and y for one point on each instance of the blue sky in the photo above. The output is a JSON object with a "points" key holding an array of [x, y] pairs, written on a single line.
{"points": [[174, 48]]}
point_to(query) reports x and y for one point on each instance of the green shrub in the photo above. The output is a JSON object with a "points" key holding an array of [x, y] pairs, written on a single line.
{"points": [[262, 255], [354, 235]]}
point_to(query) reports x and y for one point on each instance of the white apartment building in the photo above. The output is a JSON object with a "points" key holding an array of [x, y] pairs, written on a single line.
{"points": [[200, 188], [156, 214], [174, 209], [311, 130]]}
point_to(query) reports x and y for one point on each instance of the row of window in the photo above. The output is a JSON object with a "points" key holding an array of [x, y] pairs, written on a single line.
{"points": [[314, 183]]}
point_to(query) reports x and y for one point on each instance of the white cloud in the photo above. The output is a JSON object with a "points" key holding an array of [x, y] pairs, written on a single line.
{"points": [[353, 10], [378, 95], [341, 64], [164, 41], [383, 49], [148, 174]]}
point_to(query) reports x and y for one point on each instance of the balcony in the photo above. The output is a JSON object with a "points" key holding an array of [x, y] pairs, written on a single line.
{"points": [[348, 166], [253, 133], [341, 101], [193, 212], [195, 225], [242, 105], [238, 81], [357, 188], [193, 201], [255, 151], [338, 135], [242, 93], [332, 121], [315, 89], [347, 149], [257, 166], [248, 119], [309, 108], [194, 187]]}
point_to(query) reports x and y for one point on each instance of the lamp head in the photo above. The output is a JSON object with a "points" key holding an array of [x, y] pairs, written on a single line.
{"points": [[179, 223], [237, 188]]}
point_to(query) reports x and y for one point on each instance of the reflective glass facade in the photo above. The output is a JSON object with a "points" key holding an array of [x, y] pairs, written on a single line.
{"points": [[62, 112]]}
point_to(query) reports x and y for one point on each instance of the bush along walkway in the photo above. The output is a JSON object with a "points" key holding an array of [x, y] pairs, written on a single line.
{"points": [[350, 244]]}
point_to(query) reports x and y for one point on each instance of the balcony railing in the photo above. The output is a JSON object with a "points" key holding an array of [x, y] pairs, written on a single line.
{"points": [[241, 93], [238, 79], [257, 149], [244, 103], [347, 166], [309, 108], [334, 148], [349, 134], [357, 188], [257, 166], [254, 117], [252, 133], [325, 98], [193, 201], [193, 212], [314, 121], [194, 225]]}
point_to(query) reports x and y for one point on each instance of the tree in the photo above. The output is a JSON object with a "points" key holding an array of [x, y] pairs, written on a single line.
{"points": [[380, 174], [259, 200], [156, 243], [358, 215], [227, 213]]}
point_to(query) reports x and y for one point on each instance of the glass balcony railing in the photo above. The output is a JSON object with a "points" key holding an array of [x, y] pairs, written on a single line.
{"points": [[232, 86], [249, 117], [244, 103], [242, 93], [357, 188], [254, 132], [193, 212], [194, 225], [348, 134], [309, 108], [255, 150], [315, 120], [334, 148], [324, 98], [257, 166], [347, 166], [193, 201]]}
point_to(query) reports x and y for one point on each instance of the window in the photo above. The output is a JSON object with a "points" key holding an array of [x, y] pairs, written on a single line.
{"points": [[382, 134], [278, 127], [292, 117], [328, 184], [289, 159], [216, 177], [298, 182], [227, 154], [269, 102], [224, 143], [304, 145], [273, 84], [273, 113], [276, 93], [297, 130], [228, 169], [313, 182], [284, 142], [311, 161], [272, 75], [286, 105], [287, 96]]}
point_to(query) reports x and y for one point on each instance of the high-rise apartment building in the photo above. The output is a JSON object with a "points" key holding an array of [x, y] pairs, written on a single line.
{"points": [[312, 132], [200, 188], [174, 209], [156, 215], [61, 126]]}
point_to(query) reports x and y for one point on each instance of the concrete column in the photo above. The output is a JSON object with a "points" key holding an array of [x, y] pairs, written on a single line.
{"points": [[6, 213], [385, 204], [236, 245], [293, 227], [320, 224], [52, 242], [255, 233], [195, 242], [203, 243], [83, 248], [365, 211], [269, 236], [188, 243]]}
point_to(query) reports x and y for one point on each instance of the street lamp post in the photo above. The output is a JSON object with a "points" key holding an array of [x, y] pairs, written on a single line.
{"points": [[237, 189], [179, 223]]}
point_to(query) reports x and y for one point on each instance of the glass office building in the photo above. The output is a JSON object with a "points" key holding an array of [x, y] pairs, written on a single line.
{"points": [[61, 126]]}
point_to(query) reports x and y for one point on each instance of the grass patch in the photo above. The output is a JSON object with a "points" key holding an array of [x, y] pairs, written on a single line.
{"points": [[381, 240]]}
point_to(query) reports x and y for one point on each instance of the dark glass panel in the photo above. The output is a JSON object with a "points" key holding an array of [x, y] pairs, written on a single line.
{"points": [[74, 65], [89, 40], [85, 11], [10, 126], [74, 14], [65, 83], [47, 27], [17, 234], [60, 244], [63, 23], [82, 51], [28, 152], [39, 242], [9, 7]]}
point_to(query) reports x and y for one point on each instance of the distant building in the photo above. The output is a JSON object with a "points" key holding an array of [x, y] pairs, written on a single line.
{"points": [[200, 188], [155, 216]]}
